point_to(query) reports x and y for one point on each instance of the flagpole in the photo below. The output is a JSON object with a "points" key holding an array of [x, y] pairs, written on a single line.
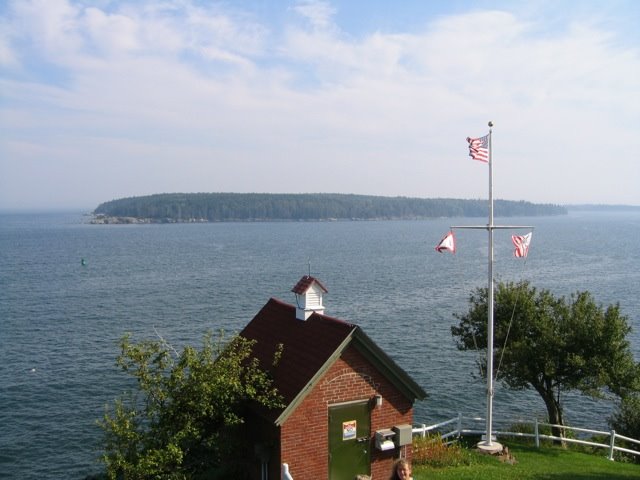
{"points": [[447, 244], [488, 444]]}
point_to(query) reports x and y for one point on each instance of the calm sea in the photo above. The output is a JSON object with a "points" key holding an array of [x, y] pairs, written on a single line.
{"points": [[60, 320]]}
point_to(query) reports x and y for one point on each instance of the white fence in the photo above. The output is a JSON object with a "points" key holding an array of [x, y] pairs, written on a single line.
{"points": [[457, 427]]}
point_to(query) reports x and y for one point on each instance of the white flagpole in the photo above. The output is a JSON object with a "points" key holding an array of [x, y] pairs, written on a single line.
{"points": [[487, 444]]}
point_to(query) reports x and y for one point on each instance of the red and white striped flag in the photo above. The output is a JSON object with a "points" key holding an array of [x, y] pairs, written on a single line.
{"points": [[479, 148], [448, 243], [521, 243]]}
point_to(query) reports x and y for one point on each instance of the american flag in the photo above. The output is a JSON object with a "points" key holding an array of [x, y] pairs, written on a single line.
{"points": [[479, 148]]}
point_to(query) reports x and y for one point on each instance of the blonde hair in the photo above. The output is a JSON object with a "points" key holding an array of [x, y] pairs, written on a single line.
{"points": [[401, 462]]}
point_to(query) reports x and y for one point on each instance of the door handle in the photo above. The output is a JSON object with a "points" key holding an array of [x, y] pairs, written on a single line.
{"points": [[362, 439]]}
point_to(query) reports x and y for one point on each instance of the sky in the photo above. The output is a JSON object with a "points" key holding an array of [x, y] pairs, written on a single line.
{"points": [[104, 99]]}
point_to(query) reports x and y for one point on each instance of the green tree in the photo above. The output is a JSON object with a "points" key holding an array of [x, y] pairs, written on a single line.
{"points": [[184, 420], [554, 344]]}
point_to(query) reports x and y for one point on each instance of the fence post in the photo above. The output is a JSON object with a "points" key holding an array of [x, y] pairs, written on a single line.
{"points": [[537, 432], [424, 430], [459, 425], [612, 444]]}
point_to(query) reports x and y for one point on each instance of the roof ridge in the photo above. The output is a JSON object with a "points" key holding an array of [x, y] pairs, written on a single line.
{"points": [[305, 282], [323, 315]]}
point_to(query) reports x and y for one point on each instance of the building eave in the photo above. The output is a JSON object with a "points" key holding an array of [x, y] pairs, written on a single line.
{"points": [[299, 398], [374, 354], [387, 366]]}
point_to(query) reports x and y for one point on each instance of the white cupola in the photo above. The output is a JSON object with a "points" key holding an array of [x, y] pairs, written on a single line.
{"points": [[309, 292]]}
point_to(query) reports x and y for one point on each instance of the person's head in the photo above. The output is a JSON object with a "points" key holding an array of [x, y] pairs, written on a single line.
{"points": [[401, 470]]}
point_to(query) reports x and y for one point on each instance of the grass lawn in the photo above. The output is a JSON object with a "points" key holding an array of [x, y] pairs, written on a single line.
{"points": [[547, 463]]}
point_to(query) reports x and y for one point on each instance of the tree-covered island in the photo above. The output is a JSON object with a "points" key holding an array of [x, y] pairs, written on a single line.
{"points": [[230, 207]]}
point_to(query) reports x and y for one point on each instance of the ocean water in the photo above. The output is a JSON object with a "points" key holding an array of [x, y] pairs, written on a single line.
{"points": [[60, 320]]}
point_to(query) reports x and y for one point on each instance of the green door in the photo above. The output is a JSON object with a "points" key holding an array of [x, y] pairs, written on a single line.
{"points": [[349, 441]]}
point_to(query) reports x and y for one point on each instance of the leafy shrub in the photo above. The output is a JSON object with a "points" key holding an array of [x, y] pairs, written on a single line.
{"points": [[186, 419], [433, 451], [626, 421]]}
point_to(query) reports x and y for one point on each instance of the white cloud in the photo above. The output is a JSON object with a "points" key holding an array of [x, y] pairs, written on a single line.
{"points": [[204, 95], [111, 33], [318, 13], [7, 55], [52, 26]]}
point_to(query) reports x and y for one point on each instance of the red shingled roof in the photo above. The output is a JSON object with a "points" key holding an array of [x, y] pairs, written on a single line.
{"points": [[307, 345], [304, 283]]}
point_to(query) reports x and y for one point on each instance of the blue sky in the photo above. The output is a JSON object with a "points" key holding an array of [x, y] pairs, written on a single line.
{"points": [[108, 99]]}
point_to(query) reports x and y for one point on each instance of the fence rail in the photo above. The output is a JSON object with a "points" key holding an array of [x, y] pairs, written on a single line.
{"points": [[461, 421]]}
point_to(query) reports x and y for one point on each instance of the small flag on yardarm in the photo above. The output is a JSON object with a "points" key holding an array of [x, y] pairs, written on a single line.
{"points": [[479, 148], [521, 243], [448, 243]]}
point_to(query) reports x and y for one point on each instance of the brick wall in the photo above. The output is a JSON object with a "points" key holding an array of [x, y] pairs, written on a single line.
{"points": [[304, 436]]}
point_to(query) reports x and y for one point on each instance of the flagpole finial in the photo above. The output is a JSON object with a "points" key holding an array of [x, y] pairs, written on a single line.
{"points": [[490, 124]]}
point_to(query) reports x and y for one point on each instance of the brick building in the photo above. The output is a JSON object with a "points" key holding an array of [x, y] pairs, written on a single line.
{"points": [[348, 406]]}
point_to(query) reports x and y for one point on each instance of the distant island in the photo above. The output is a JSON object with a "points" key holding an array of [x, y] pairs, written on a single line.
{"points": [[596, 207], [243, 207]]}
